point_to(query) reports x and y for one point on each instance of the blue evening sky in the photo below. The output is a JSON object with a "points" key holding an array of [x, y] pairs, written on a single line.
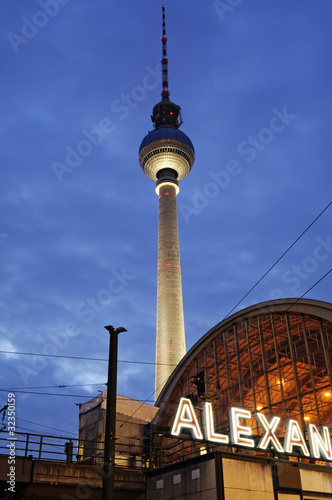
{"points": [[78, 226]]}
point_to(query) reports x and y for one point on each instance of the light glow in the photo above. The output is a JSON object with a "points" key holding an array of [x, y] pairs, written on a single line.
{"points": [[269, 428], [237, 431], [209, 432], [294, 437], [167, 183], [320, 445], [185, 417]]}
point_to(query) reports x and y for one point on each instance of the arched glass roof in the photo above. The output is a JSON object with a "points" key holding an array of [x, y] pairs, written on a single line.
{"points": [[274, 357]]}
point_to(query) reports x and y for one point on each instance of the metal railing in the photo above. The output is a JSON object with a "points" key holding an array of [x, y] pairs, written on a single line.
{"points": [[40, 447]]}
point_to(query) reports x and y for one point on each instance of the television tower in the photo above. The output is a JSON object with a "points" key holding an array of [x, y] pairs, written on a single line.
{"points": [[166, 156]]}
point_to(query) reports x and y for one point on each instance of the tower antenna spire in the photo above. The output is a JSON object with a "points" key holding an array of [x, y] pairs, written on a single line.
{"points": [[164, 61], [165, 113]]}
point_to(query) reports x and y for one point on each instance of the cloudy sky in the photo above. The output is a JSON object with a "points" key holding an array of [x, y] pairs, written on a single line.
{"points": [[78, 227]]}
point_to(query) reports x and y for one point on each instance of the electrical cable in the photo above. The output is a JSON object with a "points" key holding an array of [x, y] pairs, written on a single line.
{"points": [[50, 387], [309, 289], [144, 402], [283, 255], [50, 394], [42, 425], [82, 358]]}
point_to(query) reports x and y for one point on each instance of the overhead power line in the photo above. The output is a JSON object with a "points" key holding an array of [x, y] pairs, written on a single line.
{"points": [[81, 358], [42, 425], [309, 289], [50, 394], [277, 261], [57, 356], [13, 389], [86, 396]]}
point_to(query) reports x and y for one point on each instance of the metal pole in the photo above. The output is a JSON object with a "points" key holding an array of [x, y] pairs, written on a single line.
{"points": [[109, 447]]}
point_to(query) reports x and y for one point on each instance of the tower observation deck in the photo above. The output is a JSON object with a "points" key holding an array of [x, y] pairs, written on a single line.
{"points": [[166, 156]]}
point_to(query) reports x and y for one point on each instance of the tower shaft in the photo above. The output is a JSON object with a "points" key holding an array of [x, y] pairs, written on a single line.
{"points": [[166, 156], [170, 341]]}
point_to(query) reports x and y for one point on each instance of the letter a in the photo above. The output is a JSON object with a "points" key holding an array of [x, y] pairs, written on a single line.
{"points": [[185, 417]]}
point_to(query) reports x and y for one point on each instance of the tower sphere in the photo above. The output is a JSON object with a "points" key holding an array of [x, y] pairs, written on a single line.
{"points": [[166, 148]]}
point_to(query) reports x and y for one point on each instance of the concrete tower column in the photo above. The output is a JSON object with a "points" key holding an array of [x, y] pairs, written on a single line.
{"points": [[166, 156], [170, 342]]}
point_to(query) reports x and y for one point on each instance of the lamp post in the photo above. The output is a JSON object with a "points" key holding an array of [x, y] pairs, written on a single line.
{"points": [[109, 446]]}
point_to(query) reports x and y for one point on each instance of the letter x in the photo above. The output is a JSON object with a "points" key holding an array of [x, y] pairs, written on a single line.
{"points": [[269, 435]]}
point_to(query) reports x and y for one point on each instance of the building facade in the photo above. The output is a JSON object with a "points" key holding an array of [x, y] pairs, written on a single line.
{"points": [[133, 418], [231, 476]]}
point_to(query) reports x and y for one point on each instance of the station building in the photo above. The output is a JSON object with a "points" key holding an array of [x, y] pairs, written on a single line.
{"points": [[247, 414]]}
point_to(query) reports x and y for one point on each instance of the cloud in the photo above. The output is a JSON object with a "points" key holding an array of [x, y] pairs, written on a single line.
{"points": [[6, 345]]}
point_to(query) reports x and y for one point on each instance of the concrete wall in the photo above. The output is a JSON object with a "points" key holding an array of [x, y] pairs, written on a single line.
{"points": [[23, 468], [226, 476], [313, 480], [196, 482], [247, 480], [55, 480], [288, 496]]}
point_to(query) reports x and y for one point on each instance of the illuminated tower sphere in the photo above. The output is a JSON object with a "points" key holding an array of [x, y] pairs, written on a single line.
{"points": [[166, 156]]}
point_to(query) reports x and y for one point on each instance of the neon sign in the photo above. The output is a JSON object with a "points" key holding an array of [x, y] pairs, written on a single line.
{"points": [[240, 435]]}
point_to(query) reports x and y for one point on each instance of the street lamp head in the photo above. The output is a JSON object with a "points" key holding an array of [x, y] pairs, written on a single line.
{"points": [[111, 329], [120, 329]]}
